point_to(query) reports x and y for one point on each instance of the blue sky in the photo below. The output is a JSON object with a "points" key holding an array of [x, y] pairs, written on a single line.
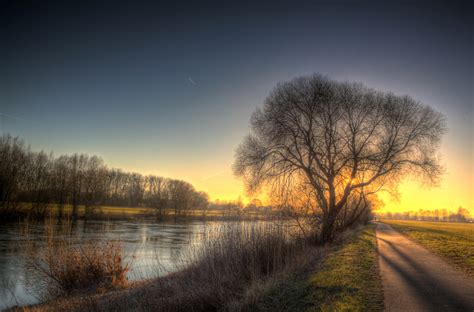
{"points": [[169, 88]]}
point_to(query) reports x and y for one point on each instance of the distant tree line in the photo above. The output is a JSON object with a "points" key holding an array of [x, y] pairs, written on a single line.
{"points": [[41, 179], [255, 208], [443, 215]]}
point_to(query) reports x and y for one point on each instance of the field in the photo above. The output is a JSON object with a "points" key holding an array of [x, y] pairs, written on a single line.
{"points": [[453, 241], [127, 213]]}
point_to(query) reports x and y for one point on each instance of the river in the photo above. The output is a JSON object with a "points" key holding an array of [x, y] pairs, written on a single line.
{"points": [[147, 246]]}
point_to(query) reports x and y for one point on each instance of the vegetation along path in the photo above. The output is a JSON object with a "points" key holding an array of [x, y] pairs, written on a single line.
{"points": [[414, 279]]}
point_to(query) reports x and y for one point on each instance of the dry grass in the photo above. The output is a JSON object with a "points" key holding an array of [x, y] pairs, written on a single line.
{"points": [[67, 264], [345, 279], [235, 263], [232, 269]]}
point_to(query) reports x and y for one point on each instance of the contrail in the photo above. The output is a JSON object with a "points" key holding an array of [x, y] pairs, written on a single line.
{"points": [[191, 81]]}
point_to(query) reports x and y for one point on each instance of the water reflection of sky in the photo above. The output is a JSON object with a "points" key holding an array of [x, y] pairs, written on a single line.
{"points": [[150, 250]]}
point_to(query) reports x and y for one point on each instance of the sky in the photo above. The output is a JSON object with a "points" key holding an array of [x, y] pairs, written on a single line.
{"points": [[169, 88]]}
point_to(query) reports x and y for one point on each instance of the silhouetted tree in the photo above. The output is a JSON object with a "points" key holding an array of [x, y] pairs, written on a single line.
{"points": [[338, 139], [13, 173], [93, 184], [157, 195], [59, 183], [201, 202]]}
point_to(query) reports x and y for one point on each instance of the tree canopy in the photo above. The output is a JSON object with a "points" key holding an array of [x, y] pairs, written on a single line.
{"points": [[339, 141]]}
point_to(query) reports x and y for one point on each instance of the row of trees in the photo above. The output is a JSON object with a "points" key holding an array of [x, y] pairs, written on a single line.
{"points": [[41, 179], [254, 208], [443, 215]]}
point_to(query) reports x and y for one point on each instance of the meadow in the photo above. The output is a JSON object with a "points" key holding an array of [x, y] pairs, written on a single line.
{"points": [[453, 241]]}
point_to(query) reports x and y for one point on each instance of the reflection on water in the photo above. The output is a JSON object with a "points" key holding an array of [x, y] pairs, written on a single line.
{"points": [[145, 245]]}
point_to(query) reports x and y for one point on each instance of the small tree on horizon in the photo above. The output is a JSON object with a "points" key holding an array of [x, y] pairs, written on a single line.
{"points": [[339, 142]]}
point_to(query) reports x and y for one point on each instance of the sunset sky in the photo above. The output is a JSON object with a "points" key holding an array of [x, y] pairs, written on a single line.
{"points": [[169, 89]]}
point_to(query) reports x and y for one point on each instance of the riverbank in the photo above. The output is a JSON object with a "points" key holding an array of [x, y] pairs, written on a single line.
{"points": [[119, 213], [322, 278], [346, 279], [228, 269]]}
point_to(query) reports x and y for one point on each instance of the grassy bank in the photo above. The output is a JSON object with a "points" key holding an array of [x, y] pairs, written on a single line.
{"points": [[139, 213], [452, 241], [254, 269], [346, 280]]}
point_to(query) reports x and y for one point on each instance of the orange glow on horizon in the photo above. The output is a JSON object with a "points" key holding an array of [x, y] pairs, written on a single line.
{"points": [[217, 179]]}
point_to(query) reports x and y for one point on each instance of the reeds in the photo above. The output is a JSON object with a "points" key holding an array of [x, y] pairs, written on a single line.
{"points": [[67, 264], [229, 268]]}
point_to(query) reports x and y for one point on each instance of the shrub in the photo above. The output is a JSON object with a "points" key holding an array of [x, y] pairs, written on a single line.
{"points": [[67, 264]]}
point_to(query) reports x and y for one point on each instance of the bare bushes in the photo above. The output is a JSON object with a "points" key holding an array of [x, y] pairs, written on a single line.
{"points": [[66, 264], [232, 265], [247, 251]]}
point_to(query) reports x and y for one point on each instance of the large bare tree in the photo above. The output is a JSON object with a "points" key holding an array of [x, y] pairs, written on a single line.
{"points": [[340, 141]]}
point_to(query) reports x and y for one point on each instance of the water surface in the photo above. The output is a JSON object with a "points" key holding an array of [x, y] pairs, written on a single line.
{"points": [[145, 245]]}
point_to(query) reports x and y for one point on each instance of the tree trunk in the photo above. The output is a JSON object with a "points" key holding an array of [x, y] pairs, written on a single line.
{"points": [[74, 207], [327, 229]]}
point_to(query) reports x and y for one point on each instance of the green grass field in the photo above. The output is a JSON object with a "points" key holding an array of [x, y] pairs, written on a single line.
{"points": [[347, 279], [453, 241], [107, 210]]}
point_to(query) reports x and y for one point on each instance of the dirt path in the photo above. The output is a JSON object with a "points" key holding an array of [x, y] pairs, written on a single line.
{"points": [[414, 279]]}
